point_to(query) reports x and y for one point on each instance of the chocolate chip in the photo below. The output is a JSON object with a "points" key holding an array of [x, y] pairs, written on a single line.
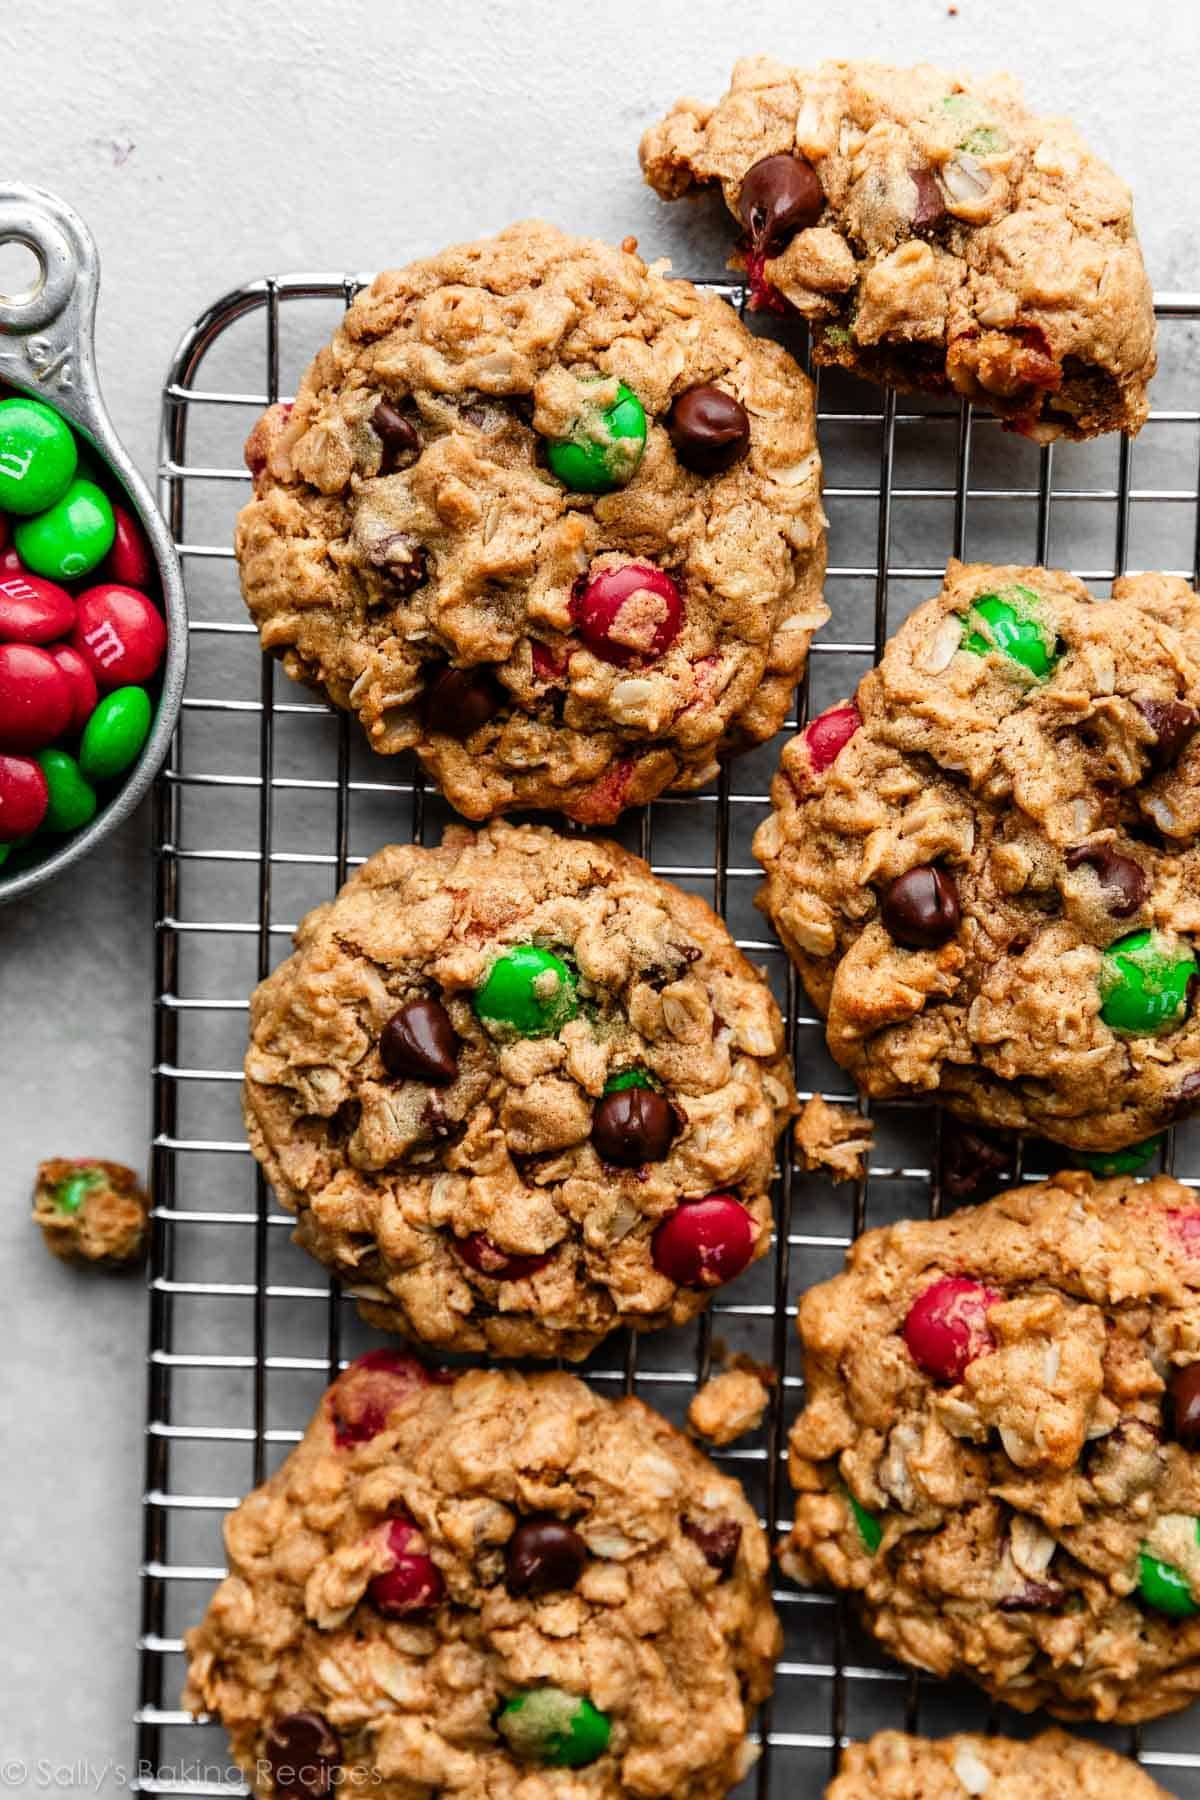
{"points": [[920, 909], [398, 435], [709, 428], [1187, 1095], [461, 700], [1034, 1596], [717, 1543], [930, 209], [780, 195], [1172, 722], [1183, 1392], [971, 1159], [302, 1753], [401, 559], [419, 1043], [1124, 881], [543, 1557], [632, 1127]]}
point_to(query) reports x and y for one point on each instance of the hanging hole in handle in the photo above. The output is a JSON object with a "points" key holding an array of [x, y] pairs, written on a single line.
{"points": [[22, 272], [40, 264]]}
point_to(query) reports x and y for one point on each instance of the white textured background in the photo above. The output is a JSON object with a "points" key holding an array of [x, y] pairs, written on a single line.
{"points": [[208, 143]]}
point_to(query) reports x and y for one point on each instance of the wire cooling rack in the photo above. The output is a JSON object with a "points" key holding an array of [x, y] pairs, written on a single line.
{"points": [[269, 798]]}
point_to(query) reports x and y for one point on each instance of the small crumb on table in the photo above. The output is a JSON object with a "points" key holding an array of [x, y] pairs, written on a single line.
{"points": [[836, 1138], [90, 1211], [729, 1405]]}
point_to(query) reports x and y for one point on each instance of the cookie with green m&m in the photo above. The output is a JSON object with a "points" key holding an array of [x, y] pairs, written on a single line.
{"points": [[451, 1521], [999, 1404], [90, 1210], [519, 1092], [986, 861], [932, 230], [547, 516]]}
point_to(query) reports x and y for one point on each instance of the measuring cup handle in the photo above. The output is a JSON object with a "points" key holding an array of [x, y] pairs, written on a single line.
{"points": [[47, 333]]}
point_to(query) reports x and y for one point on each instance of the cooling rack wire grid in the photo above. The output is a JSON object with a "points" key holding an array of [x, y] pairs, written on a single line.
{"points": [[269, 798]]}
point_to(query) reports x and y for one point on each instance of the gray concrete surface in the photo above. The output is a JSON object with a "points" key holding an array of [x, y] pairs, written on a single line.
{"points": [[210, 143]]}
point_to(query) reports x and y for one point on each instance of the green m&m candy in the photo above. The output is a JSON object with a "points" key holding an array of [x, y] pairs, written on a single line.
{"points": [[984, 140], [548, 1725], [69, 1195], [72, 799], [71, 537], [1008, 622], [1144, 983], [1164, 1587], [115, 733], [604, 445], [528, 991], [38, 456], [869, 1528], [1118, 1162], [629, 1078]]}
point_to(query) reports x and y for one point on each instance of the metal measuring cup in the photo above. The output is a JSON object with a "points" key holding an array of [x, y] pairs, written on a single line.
{"points": [[47, 350]]}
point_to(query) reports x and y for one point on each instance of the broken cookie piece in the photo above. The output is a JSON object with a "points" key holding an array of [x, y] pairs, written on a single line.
{"points": [[90, 1210], [730, 1404], [836, 1138], [935, 233]]}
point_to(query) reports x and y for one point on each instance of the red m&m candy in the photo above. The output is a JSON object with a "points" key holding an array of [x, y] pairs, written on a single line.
{"points": [[479, 1253], [24, 797], [82, 683], [130, 562], [35, 698], [628, 614], [946, 1328], [828, 735], [33, 611], [365, 1394], [413, 1583], [704, 1242], [120, 635]]}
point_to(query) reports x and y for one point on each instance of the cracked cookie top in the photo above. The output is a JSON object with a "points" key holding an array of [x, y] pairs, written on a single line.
{"points": [[498, 1585], [893, 1766], [519, 1091], [935, 232], [1000, 1447], [986, 865], [547, 517]]}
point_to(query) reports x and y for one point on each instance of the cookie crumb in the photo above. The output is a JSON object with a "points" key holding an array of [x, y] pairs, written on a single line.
{"points": [[836, 1138], [91, 1211], [730, 1404]]}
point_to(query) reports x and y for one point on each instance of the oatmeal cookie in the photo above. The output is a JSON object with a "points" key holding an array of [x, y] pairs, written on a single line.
{"points": [[91, 1211], [518, 1092], [1054, 1766], [546, 517], [934, 232], [501, 1586], [986, 867], [1000, 1447]]}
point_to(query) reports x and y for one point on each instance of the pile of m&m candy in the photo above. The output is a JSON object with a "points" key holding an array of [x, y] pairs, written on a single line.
{"points": [[80, 636]]}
